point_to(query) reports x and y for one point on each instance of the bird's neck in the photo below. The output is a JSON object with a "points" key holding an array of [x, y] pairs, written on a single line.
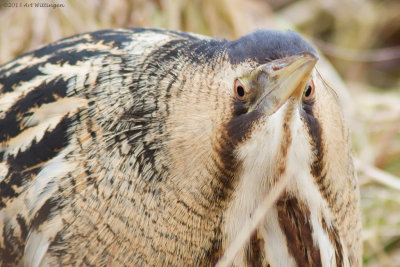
{"points": [[300, 228]]}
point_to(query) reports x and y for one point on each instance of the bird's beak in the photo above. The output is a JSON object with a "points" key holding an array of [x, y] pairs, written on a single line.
{"points": [[283, 78]]}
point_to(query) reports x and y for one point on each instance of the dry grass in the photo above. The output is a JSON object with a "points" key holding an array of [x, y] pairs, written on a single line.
{"points": [[360, 38]]}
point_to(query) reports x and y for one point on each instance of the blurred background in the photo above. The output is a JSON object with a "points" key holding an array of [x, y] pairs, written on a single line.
{"points": [[360, 38]]}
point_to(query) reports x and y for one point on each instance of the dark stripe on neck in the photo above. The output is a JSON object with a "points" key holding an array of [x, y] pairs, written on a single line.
{"points": [[255, 251], [225, 166], [214, 253], [319, 174], [294, 219], [315, 132], [335, 241], [286, 142]]}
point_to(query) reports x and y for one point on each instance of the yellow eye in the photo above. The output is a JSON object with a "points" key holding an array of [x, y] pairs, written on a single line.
{"points": [[309, 91], [240, 91]]}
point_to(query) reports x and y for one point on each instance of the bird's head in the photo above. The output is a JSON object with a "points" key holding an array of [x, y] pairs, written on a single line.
{"points": [[247, 103], [269, 86], [245, 113]]}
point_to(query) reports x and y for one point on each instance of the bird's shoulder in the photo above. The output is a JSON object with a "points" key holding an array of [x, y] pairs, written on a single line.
{"points": [[52, 102]]}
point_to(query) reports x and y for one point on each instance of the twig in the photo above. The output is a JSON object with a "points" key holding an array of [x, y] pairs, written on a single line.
{"points": [[378, 175], [252, 223]]}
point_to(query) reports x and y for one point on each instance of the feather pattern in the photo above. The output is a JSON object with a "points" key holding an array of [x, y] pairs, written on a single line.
{"points": [[128, 147]]}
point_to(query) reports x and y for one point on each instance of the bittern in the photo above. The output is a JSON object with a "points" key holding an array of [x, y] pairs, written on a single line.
{"points": [[147, 147]]}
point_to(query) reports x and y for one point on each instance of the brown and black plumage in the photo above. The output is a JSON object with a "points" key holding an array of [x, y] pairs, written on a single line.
{"points": [[147, 147]]}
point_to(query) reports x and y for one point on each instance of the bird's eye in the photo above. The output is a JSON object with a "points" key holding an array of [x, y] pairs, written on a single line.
{"points": [[240, 91], [309, 91]]}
